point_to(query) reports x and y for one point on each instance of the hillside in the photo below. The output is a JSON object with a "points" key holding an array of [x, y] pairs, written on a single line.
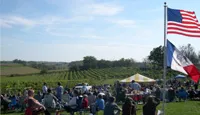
{"points": [[11, 68]]}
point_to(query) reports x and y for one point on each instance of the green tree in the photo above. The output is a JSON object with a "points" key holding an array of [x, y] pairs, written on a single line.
{"points": [[75, 66], [189, 51], [43, 71], [156, 56], [104, 63], [89, 62]]}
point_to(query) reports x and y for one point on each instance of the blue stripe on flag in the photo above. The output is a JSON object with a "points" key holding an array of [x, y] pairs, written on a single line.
{"points": [[174, 15], [170, 51]]}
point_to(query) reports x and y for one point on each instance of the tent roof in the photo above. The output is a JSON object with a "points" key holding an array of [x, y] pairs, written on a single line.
{"points": [[138, 78]]}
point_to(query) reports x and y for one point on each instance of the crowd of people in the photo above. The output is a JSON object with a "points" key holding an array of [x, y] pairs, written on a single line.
{"points": [[100, 98]]}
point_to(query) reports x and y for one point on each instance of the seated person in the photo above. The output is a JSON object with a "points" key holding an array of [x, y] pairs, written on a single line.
{"points": [[182, 94], [191, 93], [13, 103], [34, 107], [49, 99], [38, 96], [111, 107], [66, 97], [73, 103]]}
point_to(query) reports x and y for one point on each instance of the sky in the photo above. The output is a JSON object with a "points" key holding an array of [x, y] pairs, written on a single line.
{"points": [[68, 30]]}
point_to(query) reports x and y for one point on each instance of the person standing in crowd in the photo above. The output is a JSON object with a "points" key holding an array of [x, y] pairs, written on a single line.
{"points": [[117, 90], [111, 107], [91, 98], [85, 103], [158, 92], [196, 86], [129, 107], [135, 86], [4, 103], [44, 89], [72, 103], [150, 107], [84, 88], [100, 102], [59, 91], [171, 94]]}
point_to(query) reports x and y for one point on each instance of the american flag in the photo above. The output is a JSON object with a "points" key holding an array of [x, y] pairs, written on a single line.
{"points": [[182, 22]]}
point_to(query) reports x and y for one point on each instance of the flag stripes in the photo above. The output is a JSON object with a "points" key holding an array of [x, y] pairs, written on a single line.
{"points": [[189, 25]]}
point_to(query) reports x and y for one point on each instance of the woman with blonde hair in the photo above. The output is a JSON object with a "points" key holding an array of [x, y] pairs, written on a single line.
{"points": [[34, 107]]}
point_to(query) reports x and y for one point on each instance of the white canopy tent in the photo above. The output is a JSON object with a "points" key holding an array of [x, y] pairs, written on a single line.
{"points": [[138, 78]]}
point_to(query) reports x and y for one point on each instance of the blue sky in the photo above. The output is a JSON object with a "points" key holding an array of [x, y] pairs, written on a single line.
{"points": [[68, 30]]}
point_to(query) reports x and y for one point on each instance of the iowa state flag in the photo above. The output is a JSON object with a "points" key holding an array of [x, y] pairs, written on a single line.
{"points": [[178, 62]]}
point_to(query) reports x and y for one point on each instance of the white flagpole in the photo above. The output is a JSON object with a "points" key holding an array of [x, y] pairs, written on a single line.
{"points": [[165, 57]]}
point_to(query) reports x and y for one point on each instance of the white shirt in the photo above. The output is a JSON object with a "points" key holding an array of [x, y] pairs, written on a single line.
{"points": [[44, 89], [72, 102]]}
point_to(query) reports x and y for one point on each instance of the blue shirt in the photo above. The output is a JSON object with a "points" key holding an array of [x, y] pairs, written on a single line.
{"points": [[59, 91], [100, 104], [135, 86]]}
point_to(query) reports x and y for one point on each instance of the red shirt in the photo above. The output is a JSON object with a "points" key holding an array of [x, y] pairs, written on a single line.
{"points": [[85, 103]]}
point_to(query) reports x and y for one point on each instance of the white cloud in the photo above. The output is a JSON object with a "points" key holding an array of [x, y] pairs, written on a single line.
{"points": [[92, 36], [53, 20], [104, 9], [10, 21], [123, 22], [4, 24]]}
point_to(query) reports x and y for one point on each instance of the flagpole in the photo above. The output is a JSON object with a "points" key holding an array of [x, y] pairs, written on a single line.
{"points": [[165, 57]]}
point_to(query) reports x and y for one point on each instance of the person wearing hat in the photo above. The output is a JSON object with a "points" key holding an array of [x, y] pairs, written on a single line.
{"points": [[85, 102]]}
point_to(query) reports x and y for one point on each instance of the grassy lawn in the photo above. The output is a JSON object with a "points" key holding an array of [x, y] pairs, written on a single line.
{"points": [[175, 108]]}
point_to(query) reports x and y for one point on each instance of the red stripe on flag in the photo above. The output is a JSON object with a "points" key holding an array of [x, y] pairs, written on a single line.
{"points": [[187, 22], [188, 16], [190, 12], [184, 34], [184, 30], [181, 25], [193, 72]]}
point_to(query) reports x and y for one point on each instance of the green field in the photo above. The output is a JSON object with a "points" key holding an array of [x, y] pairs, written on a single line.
{"points": [[70, 78], [16, 69], [175, 108]]}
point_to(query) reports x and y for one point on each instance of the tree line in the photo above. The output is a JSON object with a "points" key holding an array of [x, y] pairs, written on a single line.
{"points": [[90, 62], [153, 61]]}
